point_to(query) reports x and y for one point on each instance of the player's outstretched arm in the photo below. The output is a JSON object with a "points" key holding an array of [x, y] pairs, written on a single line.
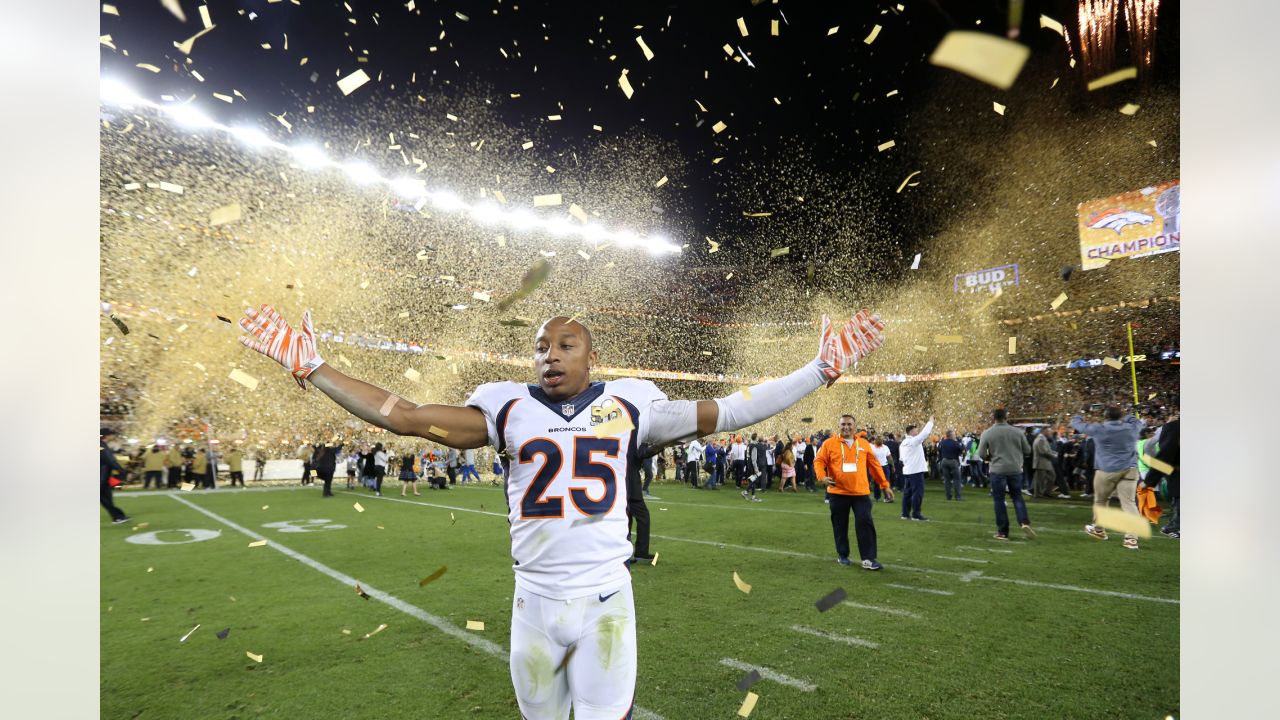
{"points": [[269, 334], [838, 349]]}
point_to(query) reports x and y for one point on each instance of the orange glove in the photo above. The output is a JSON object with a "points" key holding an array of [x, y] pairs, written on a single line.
{"points": [[296, 351]]}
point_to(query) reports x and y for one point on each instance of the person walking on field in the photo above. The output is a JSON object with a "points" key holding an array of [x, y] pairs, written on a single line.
{"points": [[153, 467], [173, 461], [950, 452], [1042, 462], [1116, 457], [1005, 447], [843, 464], [235, 464], [108, 464]]}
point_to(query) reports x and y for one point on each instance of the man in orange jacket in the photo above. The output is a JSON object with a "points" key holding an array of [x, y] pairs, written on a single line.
{"points": [[842, 463]]}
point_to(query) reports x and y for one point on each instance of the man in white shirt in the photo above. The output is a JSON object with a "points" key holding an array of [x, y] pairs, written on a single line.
{"points": [[693, 458], [914, 466], [738, 460], [882, 456], [798, 446]]}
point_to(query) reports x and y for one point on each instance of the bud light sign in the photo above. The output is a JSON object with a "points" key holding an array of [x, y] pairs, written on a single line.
{"points": [[989, 280]]}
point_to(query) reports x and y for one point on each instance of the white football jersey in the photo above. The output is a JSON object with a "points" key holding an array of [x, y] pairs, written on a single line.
{"points": [[567, 488]]}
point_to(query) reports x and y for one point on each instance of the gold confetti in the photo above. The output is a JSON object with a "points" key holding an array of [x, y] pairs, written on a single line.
{"points": [[171, 187], [173, 7], [1057, 302], [993, 60], [527, 145], [875, 31], [264, 507], [110, 10], [748, 704], [185, 46], [578, 213], [833, 31], [547, 200], [654, 561], [481, 296], [358, 507], [715, 246], [225, 214], [188, 486], [885, 145], [779, 252], [346, 631], [661, 181], [915, 262], [360, 591], [1054, 25], [1129, 109], [199, 367], [438, 432], [921, 348], [224, 98], [553, 117], [475, 625], [998, 107], [204, 16], [773, 28], [433, 576], [244, 378], [1128, 73], [746, 392], [1119, 520], [352, 82], [258, 543], [1013, 345], [413, 375], [614, 427], [742, 27], [728, 49], [907, 180], [390, 403], [648, 54], [718, 127], [1112, 363], [994, 296], [255, 658], [741, 585], [947, 339], [1157, 464], [1152, 143], [625, 84], [376, 630]]}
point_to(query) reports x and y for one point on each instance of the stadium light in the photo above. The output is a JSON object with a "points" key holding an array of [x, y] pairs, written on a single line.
{"points": [[309, 156], [409, 188], [117, 93], [446, 201], [188, 116], [253, 137], [486, 213], [361, 172]]}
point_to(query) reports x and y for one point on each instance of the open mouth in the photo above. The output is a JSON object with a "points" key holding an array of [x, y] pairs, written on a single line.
{"points": [[553, 377]]}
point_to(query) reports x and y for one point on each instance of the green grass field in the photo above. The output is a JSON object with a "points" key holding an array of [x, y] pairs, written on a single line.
{"points": [[1061, 627]]}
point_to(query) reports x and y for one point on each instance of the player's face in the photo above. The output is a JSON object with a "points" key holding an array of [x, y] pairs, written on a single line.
{"points": [[846, 427], [562, 358]]}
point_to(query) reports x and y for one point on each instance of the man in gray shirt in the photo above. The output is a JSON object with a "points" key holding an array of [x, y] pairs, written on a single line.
{"points": [[1005, 447], [1116, 459]]}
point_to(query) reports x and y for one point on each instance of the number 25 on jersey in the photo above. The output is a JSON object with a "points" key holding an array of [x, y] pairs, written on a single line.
{"points": [[585, 467]]}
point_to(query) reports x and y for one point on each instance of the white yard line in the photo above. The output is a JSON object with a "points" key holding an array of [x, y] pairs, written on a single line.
{"points": [[220, 490], [919, 589], [847, 639], [889, 611], [427, 504], [970, 547], [412, 610], [963, 559], [768, 674]]}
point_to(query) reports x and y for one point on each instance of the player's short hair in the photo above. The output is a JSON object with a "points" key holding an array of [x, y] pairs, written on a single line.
{"points": [[999, 414], [586, 331], [910, 428], [847, 415], [1112, 413]]}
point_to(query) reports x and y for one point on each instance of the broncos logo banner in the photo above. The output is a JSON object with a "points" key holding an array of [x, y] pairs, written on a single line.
{"points": [[1135, 224]]}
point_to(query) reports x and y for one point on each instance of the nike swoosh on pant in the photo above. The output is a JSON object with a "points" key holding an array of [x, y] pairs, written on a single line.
{"points": [[606, 597]]}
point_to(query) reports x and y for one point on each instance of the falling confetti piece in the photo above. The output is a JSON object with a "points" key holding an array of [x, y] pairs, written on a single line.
{"points": [[358, 507], [907, 180], [921, 348], [748, 704], [1057, 302], [614, 427], [915, 264], [833, 31], [1129, 109], [533, 278], [413, 375], [1013, 345], [255, 658], [773, 28], [376, 630], [1117, 519], [475, 625], [110, 10], [171, 187], [391, 400], [661, 181], [546, 200], [998, 107], [947, 339], [188, 486], [648, 54], [173, 7], [718, 127], [885, 145], [835, 597], [779, 252], [748, 680], [1128, 73], [244, 378], [1152, 143], [258, 543], [124, 329], [625, 84], [360, 591], [433, 576], [875, 32], [226, 214], [1054, 25], [352, 82], [1112, 363], [746, 393], [1157, 464], [741, 585], [993, 60]]}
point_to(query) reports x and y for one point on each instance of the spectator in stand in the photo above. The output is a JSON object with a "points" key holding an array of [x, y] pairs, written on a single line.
{"points": [[235, 460], [845, 463], [913, 469], [173, 460], [949, 454], [1117, 461], [153, 467], [1006, 447], [693, 457], [1043, 462], [325, 462], [108, 464]]}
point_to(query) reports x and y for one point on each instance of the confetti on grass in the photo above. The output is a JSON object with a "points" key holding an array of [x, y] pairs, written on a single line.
{"points": [[835, 597], [358, 507], [360, 591], [258, 543], [748, 704], [255, 658], [376, 630], [433, 576], [184, 637], [748, 680], [744, 587], [475, 625]]}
